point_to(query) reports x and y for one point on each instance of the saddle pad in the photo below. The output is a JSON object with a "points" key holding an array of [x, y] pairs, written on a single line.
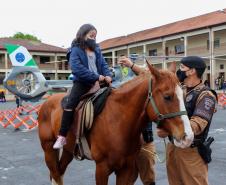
{"points": [[93, 106]]}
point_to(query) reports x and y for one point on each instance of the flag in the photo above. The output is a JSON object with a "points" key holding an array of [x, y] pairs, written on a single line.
{"points": [[20, 56]]}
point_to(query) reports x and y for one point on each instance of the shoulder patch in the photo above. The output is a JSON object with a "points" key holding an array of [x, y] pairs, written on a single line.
{"points": [[208, 103], [205, 107]]}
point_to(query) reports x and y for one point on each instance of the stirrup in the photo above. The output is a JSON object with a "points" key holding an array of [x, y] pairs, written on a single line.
{"points": [[78, 151]]}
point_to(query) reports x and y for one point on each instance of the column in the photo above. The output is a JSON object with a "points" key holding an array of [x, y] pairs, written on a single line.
{"points": [[164, 54], [144, 53], [6, 64], [212, 60], [128, 52], [185, 46], [56, 67], [113, 58]]}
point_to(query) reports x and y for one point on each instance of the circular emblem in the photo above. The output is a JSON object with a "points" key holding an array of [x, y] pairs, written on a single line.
{"points": [[189, 97], [20, 57], [208, 103]]}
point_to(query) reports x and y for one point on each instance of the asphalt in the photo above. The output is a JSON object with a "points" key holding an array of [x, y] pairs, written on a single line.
{"points": [[22, 159]]}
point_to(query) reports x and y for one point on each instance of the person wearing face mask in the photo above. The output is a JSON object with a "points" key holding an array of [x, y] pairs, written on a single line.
{"points": [[189, 166], [88, 66]]}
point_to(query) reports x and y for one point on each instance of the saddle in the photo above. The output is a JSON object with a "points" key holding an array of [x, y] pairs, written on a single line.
{"points": [[91, 104]]}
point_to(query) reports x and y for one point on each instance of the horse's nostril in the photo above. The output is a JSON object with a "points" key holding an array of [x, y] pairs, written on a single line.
{"points": [[184, 137], [177, 139], [181, 138]]}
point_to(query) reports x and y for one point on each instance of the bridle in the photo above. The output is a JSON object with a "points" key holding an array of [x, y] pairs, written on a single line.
{"points": [[160, 116]]}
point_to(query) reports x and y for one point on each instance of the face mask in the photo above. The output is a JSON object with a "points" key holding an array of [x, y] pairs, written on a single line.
{"points": [[181, 75], [91, 43]]}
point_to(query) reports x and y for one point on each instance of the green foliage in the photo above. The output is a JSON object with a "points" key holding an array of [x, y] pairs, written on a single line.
{"points": [[20, 35]]}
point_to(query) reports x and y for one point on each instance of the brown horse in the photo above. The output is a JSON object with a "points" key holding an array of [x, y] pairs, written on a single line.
{"points": [[114, 138]]}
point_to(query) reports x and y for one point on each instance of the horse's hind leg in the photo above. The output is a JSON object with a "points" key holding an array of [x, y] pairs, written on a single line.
{"points": [[52, 161]]}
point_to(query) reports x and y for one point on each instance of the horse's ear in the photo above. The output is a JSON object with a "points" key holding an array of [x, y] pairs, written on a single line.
{"points": [[155, 72]]}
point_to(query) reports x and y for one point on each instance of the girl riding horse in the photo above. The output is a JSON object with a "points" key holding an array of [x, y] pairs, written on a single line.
{"points": [[87, 65], [114, 138]]}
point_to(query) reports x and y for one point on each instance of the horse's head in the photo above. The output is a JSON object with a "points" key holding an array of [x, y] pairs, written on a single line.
{"points": [[166, 106]]}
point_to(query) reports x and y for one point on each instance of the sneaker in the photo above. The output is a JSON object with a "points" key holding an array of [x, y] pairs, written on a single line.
{"points": [[60, 142]]}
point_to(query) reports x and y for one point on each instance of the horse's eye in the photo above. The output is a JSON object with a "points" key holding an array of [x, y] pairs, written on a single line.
{"points": [[168, 98]]}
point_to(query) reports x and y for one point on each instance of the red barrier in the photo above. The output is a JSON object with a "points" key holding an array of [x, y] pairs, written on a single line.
{"points": [[28, 108], [22, 116]]}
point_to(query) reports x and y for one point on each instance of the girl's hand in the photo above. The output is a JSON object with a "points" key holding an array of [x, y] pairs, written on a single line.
{"points": [[108, 79], [101, 78]]}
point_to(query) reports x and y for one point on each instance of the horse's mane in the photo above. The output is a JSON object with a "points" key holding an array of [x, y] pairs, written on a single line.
{"points": [[127, 86], [165, 76]]}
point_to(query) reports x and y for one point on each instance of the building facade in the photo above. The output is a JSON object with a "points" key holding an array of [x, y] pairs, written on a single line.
{"points": [[203, 36]]}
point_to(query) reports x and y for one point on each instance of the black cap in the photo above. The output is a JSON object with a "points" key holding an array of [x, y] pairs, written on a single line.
{"points": [[193, 62]]}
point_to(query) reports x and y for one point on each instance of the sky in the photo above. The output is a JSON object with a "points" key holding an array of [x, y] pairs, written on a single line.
{"points": [[56, 22]]}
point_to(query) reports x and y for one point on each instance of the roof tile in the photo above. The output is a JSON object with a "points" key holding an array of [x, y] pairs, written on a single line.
{"points": [[34, 46], [194, 23]]}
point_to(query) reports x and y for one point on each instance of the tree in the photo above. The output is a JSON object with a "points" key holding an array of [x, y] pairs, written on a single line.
{"points": [[20, 35]]}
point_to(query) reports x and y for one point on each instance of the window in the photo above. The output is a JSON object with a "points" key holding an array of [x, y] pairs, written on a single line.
{"points": [[167, 52], [1, 59], [44, 59], [109, 62], [216, 43], [66, 65], [179, 49], [133, 56], [60, 66], [47, 77], [153, 52], [221, 66], [1, 79]]}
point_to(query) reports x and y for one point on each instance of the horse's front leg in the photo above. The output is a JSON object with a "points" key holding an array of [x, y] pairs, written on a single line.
{"points": [[102, 173], [128, 174]]}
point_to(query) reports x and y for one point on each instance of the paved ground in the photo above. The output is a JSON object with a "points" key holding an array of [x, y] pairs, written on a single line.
{"points": [[22, 161]]}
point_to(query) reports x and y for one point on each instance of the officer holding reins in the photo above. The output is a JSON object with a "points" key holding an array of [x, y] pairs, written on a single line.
{"points": [[189, 166]]}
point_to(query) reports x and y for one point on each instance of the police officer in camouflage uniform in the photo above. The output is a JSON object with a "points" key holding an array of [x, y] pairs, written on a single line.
{"points": [[188, 166]]}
